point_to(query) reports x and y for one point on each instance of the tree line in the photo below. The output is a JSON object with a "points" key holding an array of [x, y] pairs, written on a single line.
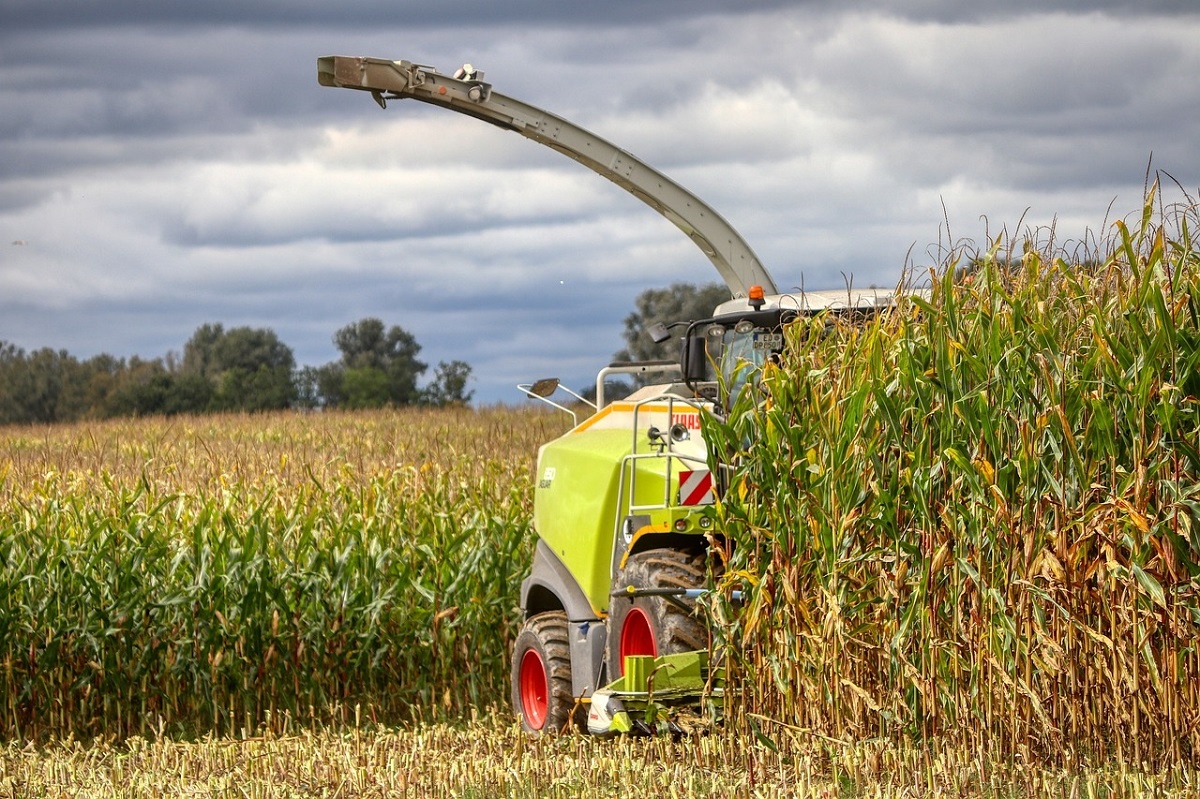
{"points": [[236, 369]]}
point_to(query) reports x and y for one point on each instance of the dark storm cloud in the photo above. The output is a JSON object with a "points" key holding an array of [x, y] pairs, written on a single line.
{"points": [[34, 14], [148, 83], [398, 15], [950, 10]]}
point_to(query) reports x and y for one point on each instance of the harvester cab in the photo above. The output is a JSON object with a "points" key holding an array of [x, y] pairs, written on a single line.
{"points": [[722, 354], [622, 500]]}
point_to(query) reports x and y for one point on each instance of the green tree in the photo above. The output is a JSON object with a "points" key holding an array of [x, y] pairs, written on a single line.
{"points": [[13, 376], [678, 303], [449, 385], [379, 366], [330, 384], [200, 352], [100, 378], [308, 387], [248, 369], [187, 393], [681, 302], [47, 376], [38, 387], [142, 388], [366, 387]]}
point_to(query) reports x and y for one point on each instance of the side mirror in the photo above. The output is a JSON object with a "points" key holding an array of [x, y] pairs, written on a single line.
{"points": [[695, 360], [545, 387]]}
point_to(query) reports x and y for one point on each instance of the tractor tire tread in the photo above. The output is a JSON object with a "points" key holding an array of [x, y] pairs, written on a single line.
{"points": [[551, 629], [677, 629]]}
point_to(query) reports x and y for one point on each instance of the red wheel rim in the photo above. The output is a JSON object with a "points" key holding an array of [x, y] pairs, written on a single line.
{"points": [[535, 699], [637, 636]]}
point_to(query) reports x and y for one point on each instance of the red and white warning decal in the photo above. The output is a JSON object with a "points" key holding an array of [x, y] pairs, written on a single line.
{"points": [[696, 488]]}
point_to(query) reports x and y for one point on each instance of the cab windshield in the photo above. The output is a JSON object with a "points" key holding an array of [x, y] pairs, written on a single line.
{"points": [[737, 352]]}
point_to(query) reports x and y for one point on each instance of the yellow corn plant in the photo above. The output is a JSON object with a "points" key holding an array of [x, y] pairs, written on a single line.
{"points": [[978, 514]]}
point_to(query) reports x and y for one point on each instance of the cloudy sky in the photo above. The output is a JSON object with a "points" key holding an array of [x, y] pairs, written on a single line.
{"points": [[163, 164]]}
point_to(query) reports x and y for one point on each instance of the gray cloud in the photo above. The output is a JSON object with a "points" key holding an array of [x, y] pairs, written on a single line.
{"points": [[175, 164], [408, 15]]}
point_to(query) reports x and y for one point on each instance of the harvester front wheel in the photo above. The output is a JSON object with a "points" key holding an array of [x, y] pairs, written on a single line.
{"points": [[654, 625], [541, 674]]}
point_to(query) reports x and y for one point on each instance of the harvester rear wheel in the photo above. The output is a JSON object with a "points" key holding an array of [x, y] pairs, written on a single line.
{"points": [[541, 674], [653, 625]]}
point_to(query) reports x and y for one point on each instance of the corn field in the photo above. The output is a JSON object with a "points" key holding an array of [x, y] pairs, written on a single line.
{"points": [[967, 525], [977, 517], [219, 574]]}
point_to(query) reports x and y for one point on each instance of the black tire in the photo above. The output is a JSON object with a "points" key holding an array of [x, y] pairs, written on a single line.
{"points": [[634, 623], [541, 675]]}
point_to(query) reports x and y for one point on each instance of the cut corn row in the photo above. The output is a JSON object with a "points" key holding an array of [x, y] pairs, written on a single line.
{"points": [[978, 516], [494, 758]]}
